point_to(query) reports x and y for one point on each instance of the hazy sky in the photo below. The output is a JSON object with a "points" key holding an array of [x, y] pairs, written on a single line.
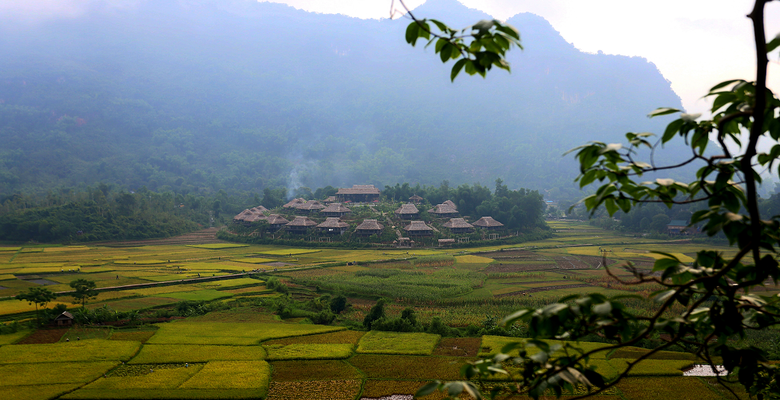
{"points": [[694, 43]]}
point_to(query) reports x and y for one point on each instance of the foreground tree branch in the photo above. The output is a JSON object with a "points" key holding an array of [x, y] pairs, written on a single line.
{"points": [[707, 306]]}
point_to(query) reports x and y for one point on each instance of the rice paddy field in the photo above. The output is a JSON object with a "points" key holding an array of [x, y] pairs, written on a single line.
{"points": [[246, 351]]}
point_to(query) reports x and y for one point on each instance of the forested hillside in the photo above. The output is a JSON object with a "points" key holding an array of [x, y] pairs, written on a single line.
{"points": [[198, 96]]}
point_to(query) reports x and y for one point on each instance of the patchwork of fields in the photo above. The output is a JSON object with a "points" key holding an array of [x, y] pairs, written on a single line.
{"points": [[247, 352]]}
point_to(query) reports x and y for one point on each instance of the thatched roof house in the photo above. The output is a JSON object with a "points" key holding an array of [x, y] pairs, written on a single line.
{"points": [[407, 211], [64, 319], [358, 193], [444, 210], [294, 203], [310, 206], [330, 199], [446, 242], [415, 199], [251, 214], [488, 223], [335, 210], [300, 224], [458, 225], [418, 228], [369, 227], [450, 203], [333, 225], [276, 221]]}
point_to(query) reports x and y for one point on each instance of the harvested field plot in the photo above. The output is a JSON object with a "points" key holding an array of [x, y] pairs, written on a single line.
{"points": [[44, 336], [52, 373], [308, 390], [173, 353], [461, 347], [377, 342], [231, 333], [382, 388], [253, 375], [344, 337], [136, 336], [686, 388], [218, 246], [82, 350], [36, 392], [313, 370], [288, 252], [309, 351], [253, 260], [408, 367]]}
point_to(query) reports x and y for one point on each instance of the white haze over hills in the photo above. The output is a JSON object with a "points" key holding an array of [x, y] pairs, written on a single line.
{"points": [[694, 43], [237, 94]]}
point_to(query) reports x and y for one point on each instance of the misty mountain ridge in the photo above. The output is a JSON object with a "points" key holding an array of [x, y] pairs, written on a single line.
{"points": [[239, 95]]}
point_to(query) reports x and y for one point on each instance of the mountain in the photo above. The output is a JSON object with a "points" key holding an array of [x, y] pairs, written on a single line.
{"points": [[207, 95]]}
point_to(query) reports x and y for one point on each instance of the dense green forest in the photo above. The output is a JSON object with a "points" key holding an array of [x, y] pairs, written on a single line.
{"points": [[192, 97], [101, 213]]}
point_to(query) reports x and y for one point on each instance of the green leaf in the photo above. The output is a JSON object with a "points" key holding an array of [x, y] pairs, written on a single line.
{"points": [[411, 33], [427, 389], [662, 111], [456, 68], [724, 84]]}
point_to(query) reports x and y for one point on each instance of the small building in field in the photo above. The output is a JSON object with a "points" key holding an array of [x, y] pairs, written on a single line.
{"points": [[335, 210], [458, 225], [64, 319], [300, 225], [407, 211], [369, 227], [444, 210], [678, 227], [358, 194], [418, 228], [415, 199], [294, 203], [332, 226], [488, 223], [310, 207]]}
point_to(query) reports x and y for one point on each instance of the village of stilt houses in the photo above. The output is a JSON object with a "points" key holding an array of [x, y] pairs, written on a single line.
{"points": [[362, 215]]}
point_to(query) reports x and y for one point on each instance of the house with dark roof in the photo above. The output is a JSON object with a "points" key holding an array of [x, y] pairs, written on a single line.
{"points": [[358, 194], [333, 226], [369, 227], [309, 207], [418, 228], [276, 222], [407, 211], [300, 225], [335, 210], [251, 215], [679, 227], [294, 203], [458, 225], [64, 319], [444, 210], [488, 223]]}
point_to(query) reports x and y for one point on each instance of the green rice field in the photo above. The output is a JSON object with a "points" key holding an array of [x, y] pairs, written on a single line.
{"points": [[248, 350]]}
